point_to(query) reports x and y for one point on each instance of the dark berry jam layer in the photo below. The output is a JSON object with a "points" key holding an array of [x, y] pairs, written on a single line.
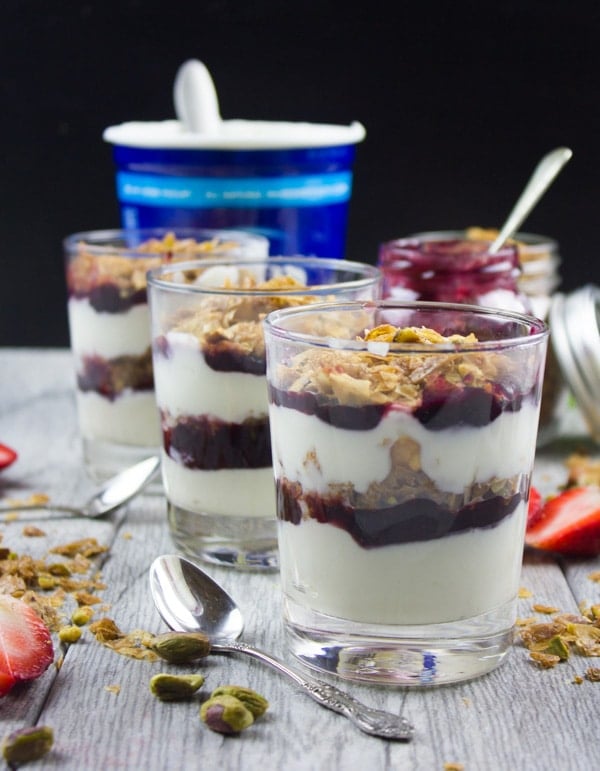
{"points": [[439, 408], [200, 442], [419, 519], [109, 298], [109, 377], [221, 356]]}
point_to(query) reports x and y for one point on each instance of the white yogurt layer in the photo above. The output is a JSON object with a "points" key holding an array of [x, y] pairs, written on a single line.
{"points": [[131, 418], [447, 579], [316, 454], [224, 492], [186, 385], [108, 334], [235, 135]]}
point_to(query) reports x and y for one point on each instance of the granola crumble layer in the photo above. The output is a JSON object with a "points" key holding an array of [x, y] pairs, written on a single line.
{"points": [[355, 389], [110, 377], [114, 282], [228, 327]]}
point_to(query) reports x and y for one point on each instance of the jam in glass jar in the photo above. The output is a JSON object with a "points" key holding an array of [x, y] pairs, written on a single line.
{"points": [[452, 270]]}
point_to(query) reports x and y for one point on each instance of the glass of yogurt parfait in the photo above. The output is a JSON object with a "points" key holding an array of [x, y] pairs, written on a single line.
{"points": [[209, 368], [403, 437], [109, 326]]}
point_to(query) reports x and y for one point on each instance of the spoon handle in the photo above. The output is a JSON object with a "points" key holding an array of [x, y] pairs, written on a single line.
{"points": [[6, 509], [540, 180], [376, 722]]}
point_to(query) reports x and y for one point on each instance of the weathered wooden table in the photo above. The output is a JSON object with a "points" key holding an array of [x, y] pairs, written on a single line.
{"points": [[99, 704]]}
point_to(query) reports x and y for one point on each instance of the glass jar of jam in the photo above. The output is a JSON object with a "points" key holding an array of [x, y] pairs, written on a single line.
{"points": [[539, 259], [452, 270]]}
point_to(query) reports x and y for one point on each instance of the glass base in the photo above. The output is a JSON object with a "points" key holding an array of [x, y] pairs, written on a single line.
{"points": [[103, 460], [244, 543], [416, 655]]}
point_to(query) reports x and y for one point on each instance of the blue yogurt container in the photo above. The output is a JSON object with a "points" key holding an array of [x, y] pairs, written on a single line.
{"points": [[290, 182]]}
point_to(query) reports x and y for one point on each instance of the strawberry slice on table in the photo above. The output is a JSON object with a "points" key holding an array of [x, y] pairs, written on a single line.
{"points": [[568, 523], [26, 649], [7, 456]]}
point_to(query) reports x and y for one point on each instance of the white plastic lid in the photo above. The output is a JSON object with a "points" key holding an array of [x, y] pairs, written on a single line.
{"points": [[234, 135]]}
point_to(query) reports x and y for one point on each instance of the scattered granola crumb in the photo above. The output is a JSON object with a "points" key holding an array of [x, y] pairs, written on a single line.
{"points": [[127, 536], [564, 634], [524, 593], [136, 644], [454, 766], [526, 621], [116, 689], [595, 576], [547, 609], [583, 470], [85, 598], [87, 547], [593, 674], [545, 660], [46, 584], [31, 531], [466, 701], [577, 680]]}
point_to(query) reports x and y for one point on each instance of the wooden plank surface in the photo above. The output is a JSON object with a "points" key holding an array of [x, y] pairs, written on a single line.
{"points": [[517, 717]]}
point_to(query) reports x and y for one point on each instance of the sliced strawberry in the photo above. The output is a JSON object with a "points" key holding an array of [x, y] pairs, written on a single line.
{"points": [[535, 507], [569, 523], [7, 456], [26, 649]]}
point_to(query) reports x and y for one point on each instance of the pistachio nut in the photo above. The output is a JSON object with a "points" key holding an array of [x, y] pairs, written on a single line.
{"points": [[253, 701], [175, 687], [69, 634], [82, 615], [226, 714], [181, 647], [27, 744]]}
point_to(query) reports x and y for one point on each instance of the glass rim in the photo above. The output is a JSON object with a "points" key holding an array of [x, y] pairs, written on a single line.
{"points": [[367, 275], [98, 241], [272, 325], [532, 241]]}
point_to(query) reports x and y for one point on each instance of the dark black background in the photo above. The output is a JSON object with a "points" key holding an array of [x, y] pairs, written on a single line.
{"points": [[459, 99]]}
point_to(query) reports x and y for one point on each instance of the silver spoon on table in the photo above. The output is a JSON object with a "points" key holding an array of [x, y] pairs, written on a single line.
{"points": [[543, 175], [113, 494], [188, 600]]}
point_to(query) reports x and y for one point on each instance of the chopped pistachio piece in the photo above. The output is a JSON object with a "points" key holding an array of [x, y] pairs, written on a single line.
{"points": [[168, 687], [27, 744]]}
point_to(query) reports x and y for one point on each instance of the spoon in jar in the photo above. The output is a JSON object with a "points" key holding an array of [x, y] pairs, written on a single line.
{"points": [[543, 175], [188, 600], [113, 494]]}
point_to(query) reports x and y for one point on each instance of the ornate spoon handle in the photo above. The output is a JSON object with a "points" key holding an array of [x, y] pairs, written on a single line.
{"points": [[372, 721]]}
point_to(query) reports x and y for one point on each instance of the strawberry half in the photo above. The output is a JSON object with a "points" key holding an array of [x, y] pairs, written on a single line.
{"points": [[536, 505], [26, 649], [7, 456], [568, 523]]}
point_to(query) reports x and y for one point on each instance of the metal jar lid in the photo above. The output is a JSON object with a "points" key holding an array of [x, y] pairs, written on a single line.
{"points": [[574, 320]]}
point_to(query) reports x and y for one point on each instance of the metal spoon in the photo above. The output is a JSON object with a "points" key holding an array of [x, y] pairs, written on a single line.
{"points": [[116, 492], [543, 174], [188, 600]]}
